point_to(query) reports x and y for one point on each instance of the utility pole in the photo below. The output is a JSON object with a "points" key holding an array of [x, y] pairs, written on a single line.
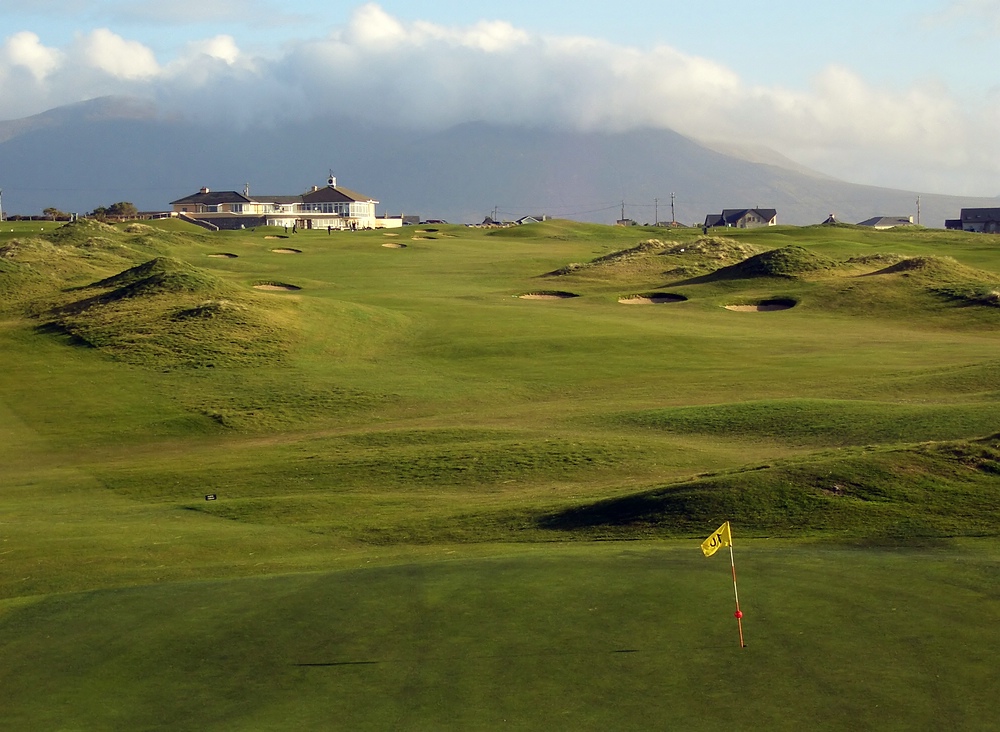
{"points": [[673, 216], [1, 204], [918, 210], [656, 212], [623, 211]]}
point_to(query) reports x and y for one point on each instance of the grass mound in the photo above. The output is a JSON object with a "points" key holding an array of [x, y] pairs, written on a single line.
{"points": [[787, 262], [80, 231], [642, 248], [158, 276], [166, 312], [623, 262], [933, 490], [35, 267], [936, 270], [718, 248]]}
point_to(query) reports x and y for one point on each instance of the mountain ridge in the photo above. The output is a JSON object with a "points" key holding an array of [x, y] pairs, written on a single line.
{"points": [[92, 153]]}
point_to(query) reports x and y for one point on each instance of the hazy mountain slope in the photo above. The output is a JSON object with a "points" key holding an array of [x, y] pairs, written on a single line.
{"points": [[98, 152]]}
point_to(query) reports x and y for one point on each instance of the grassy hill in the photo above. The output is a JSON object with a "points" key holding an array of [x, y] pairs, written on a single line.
{"points": [[466, 415]]}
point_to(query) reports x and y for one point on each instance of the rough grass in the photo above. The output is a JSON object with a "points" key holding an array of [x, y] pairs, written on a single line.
{"points": [[873, 494], [163, 312]]}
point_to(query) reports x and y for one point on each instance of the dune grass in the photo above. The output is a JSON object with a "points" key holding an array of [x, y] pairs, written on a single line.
{"points": [[405, 408]]}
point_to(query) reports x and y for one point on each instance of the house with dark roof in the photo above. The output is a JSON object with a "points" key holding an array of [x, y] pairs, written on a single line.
{"points": [[328, 207], [887, 222], [983, 220], [743, 218]]}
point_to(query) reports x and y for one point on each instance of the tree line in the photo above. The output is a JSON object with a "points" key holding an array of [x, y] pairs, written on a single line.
{"points": [[120, 210]]}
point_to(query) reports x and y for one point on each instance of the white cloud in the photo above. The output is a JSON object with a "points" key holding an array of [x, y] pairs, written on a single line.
{"points": [[380, 68], [220, 48], [25, 50], [114, 55]]}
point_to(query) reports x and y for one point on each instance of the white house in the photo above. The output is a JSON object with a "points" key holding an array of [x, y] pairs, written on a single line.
{"points": [[327, 207]]}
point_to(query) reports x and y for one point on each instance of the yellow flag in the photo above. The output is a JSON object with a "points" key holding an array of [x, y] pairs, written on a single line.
{"points": [[720, 537]]}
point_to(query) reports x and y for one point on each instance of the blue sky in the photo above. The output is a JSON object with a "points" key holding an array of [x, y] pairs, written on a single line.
{"points": [[906, 95]]}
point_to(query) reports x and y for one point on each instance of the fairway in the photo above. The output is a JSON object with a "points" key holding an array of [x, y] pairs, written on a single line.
{"points": [[461, 483]]}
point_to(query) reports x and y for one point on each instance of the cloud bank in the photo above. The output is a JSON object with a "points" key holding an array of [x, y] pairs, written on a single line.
{"points": [[427, 75]]}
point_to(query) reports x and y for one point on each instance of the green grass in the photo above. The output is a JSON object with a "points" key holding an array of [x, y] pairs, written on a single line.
{"points": [[613, 637], [476, 501]]}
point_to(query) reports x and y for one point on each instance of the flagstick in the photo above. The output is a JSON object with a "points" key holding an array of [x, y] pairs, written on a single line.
{"points": [[739, 614]]}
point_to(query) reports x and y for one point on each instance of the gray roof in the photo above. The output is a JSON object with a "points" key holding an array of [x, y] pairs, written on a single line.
{"points": [[213, 198], [981, 214], [887, 221], [326, 194], [334, 194], [732, 215]]}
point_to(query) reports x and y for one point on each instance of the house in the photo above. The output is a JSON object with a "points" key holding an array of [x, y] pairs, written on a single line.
{"points": [[977, 219], [327, 207], [887, 222], [743, 218]]}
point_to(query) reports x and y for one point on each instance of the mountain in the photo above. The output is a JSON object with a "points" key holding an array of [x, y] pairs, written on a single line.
{"points": [[78, 157]]}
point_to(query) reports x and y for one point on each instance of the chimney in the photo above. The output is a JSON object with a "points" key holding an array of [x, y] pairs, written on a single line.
{"points": [[204, 190]]}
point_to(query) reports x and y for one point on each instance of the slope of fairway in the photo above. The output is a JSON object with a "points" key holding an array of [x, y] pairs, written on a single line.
{"points": [[929, 491]]}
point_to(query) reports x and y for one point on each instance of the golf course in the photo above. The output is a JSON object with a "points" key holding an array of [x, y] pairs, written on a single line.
{"points": [[452, 478]]}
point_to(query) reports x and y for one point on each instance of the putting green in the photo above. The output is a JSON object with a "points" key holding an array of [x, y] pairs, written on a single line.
{"points": [[614, 636]]}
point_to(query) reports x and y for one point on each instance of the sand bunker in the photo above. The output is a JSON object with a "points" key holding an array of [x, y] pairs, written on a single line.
{"points": [[222, 255], [287, 251], [550, 295], [394, 245], [275, 237], [390, 234], [276, 287], [764, 306], [653, 298]]}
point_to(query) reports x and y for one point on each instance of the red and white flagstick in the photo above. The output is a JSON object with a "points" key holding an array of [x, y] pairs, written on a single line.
{"points": [[738, 613]]}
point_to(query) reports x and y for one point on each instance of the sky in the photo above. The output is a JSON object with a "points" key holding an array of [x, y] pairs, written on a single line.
{"points": [[905, 95]]}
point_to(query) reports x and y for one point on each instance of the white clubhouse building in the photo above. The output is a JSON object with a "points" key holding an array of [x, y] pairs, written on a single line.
{"points": [[327, 207]]}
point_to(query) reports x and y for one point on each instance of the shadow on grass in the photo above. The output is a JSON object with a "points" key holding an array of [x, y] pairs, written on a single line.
{"points": [[673, 507]]}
